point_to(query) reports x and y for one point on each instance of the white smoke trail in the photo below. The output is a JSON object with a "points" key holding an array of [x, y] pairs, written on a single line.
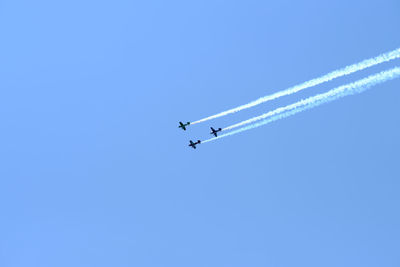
{"points": [[325, 78], [311, 102]]}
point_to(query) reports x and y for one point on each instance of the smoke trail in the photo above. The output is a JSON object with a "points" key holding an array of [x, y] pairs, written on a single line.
{"points": [[325, 78], [311, 102]]}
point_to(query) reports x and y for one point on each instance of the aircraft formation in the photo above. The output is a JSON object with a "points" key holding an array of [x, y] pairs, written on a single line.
{"points": [[192, 144]]}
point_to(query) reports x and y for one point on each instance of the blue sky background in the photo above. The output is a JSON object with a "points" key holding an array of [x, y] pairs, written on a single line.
{"points": [[95, 172]]}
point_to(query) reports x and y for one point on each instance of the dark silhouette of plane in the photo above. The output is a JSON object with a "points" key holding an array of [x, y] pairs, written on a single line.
{"points": [[214, 132], [194, 144], [183, 126]]}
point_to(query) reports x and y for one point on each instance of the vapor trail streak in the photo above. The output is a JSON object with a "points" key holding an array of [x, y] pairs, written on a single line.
{"points": [[325, 78], [311, 102]]}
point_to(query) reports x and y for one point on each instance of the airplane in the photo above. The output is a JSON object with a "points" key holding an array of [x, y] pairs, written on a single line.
{"points": [[194, 144], [214, 132], [183, 126]]}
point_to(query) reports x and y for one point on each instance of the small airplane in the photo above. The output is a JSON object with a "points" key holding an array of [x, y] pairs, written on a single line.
{"points": [[194, 144], [214, 132], [183, 126]]}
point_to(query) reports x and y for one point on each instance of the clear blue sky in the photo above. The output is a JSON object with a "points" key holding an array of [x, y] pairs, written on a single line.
{"points": [[95, 172]]}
